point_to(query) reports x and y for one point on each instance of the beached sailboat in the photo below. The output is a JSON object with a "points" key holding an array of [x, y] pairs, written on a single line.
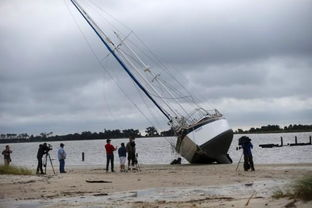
{"points": [[203, 136]]}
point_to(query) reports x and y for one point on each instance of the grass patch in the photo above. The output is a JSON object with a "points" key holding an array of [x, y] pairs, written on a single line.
{"points": [[13, 170], [280, 194], [300, 189]]}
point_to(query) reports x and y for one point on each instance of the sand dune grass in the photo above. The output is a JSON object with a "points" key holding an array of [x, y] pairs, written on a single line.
{"points": [[14, 170], [300, 189]]}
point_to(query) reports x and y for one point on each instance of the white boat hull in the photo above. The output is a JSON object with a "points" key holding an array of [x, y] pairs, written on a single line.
{"points": [[208, 142]]}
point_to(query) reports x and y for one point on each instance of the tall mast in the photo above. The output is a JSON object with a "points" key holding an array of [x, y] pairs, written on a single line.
{"points": [[99, 33]]}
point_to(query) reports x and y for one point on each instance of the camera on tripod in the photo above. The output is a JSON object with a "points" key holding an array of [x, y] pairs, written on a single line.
{"points": [[49, 147]]}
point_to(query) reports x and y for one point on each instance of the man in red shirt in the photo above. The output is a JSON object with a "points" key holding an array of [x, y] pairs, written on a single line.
{"points": [[110, 154]]}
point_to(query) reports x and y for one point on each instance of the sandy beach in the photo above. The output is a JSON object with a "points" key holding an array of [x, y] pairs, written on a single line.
{"points": [[155, 186]]}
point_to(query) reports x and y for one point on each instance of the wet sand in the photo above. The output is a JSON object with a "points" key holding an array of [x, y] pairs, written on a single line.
{"points": [[154, 186]]}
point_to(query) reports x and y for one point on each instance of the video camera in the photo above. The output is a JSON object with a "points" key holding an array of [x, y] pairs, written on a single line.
{"points": [[49, 147], [46, 147], [241, 141]]}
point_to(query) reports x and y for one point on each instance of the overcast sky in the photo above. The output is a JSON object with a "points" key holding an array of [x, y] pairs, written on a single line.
{"points": [[252, 60]]}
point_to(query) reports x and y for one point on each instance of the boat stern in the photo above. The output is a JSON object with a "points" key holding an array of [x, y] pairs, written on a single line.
{"points": [[207, 143]]}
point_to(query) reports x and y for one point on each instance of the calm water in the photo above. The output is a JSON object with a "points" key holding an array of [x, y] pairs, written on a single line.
{"points": [[158, 151]]}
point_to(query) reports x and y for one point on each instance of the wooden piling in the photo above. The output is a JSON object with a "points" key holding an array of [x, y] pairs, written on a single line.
{"points": [[282, 141], [82, 156], [296, 140], [310, 140]]}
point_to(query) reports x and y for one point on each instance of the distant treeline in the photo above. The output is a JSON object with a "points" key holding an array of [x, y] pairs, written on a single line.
{"points": [[276, 129], [87, 135], [149, 132]]}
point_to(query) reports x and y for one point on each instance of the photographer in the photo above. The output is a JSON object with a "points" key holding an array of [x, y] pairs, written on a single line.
{"points": [[246, 144], [43, 149]]}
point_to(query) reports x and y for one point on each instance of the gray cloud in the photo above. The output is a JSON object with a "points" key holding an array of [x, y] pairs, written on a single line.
{"points": [[251, 60]]}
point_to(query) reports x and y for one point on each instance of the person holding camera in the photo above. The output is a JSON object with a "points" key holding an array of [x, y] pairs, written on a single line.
{"points": [[43, 149], [61, 155], [248, 160]]}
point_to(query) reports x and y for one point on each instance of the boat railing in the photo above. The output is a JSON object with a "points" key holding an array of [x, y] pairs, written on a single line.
{"points": [[200, 114]]}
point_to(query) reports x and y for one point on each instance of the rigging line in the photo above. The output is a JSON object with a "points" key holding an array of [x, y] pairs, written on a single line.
{"points": [[165, 68], [99, 7], [147, 107], [126, 59], [87, 42], [160, 81], [125, 26], [105, 19], [131, 31], [159, 96], [119, 59], [191, 101], [114, 18], [103, 67], [108, 54], [172, 143]]}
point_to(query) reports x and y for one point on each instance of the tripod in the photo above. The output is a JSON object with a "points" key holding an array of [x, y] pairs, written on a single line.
{"points": [[47, 155], [239, 162]]}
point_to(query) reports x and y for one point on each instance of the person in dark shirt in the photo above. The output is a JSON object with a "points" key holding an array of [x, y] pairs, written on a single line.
{"points": [[109, 154], [7, 155], [122, 153], [43, 149], [131, 152], [248, 160]]}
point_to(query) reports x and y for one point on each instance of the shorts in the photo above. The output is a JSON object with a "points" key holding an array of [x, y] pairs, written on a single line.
{"points": [[122, 160]]}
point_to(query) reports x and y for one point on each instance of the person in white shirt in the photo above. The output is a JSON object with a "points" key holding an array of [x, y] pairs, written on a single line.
{"points": [[61, 154]]}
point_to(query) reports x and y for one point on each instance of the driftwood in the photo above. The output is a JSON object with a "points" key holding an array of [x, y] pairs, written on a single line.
{"points": [[100, 194], [247, 203], [97, 181]]}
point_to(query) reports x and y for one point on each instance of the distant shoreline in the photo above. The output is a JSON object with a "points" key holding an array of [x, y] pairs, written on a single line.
{"points": [[53, 139], [6, 141], [273, 132]]}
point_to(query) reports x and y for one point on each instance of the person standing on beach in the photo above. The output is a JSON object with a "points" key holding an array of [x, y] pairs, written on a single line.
{"points": [[43, 149], [109, 154], [131, 152], [61, 155], [122, 152], [7, 155], [248, 160]]}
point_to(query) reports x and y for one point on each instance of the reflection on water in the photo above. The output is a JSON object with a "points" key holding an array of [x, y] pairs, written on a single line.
{"points": [[157, 150]]}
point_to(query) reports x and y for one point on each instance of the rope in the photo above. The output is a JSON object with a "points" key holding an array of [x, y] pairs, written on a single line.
{"points": [[107, 71]]}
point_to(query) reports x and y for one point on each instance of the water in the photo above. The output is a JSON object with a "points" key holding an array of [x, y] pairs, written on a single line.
{"points": [[157, 150]]}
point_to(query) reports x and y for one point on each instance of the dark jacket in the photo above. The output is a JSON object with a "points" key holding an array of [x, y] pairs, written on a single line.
{"points": [[247, 146], [122, 152], [43, 149], [130, 147]]}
